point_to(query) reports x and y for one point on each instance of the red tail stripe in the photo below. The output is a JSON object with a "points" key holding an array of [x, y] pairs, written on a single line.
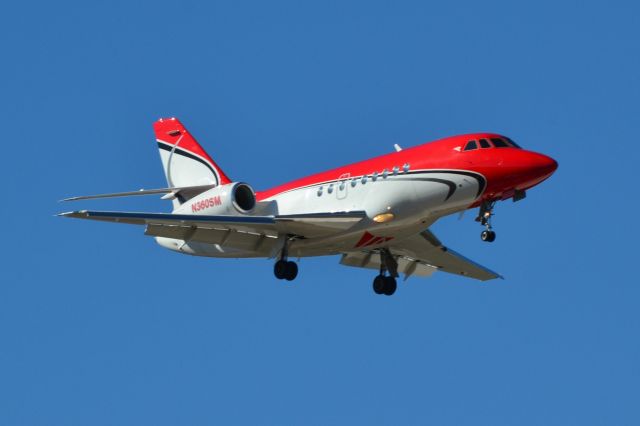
{"points": [[171, 130]]}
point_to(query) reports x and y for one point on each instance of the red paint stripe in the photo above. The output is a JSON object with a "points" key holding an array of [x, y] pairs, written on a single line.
{"points": [[366, 237], [170, 130], [437, 155], [376, 240]]}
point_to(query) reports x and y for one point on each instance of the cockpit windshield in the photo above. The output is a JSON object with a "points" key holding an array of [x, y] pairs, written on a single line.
{"points": [[512, 142], [471, 145], [499, 143], [502, 142]]}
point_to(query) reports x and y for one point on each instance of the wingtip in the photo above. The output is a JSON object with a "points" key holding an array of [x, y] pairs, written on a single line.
{"points": [[73, 213]]}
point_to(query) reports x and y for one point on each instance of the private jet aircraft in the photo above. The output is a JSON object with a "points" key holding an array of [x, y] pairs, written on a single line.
{"points": [[375, 213]]}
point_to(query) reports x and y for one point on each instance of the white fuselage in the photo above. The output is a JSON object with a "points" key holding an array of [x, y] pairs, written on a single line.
{"points": [[415, 199]]}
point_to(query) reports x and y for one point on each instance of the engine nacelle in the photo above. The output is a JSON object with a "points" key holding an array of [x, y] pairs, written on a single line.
{"points": [[229, 199]]}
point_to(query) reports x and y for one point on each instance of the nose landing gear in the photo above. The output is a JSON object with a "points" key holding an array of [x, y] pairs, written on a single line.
{"points": [[488, 236], [484, 217]]}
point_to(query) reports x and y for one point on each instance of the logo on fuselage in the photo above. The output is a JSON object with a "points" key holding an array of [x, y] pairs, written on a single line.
{"points": [[206, 203], [371, 240]]}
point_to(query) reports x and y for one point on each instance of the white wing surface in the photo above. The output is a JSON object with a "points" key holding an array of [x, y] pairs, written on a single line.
{"points": [[211, 229], [422, 254]]}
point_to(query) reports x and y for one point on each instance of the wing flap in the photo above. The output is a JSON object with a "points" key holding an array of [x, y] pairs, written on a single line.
{"points": [[242, 240], [371, 260]]}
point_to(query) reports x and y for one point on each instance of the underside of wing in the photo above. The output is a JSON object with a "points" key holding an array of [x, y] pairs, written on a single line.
{"points": [[242, 232], [371, 260], [134, 218], [422, 254], [318, 224]]}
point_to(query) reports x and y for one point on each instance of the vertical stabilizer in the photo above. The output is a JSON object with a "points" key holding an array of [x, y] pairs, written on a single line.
{"points": [[184, 161]]}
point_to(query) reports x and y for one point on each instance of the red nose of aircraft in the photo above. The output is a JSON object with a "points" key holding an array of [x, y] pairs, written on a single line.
{"points": [[543, 164], [537, 167]]}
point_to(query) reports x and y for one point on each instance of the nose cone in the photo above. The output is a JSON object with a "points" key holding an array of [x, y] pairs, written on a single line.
{"points": [[543, 165], [537, 167]]}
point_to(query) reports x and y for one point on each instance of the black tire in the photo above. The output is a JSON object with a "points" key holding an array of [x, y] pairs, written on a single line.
{"points": [[492, 236], [291, 271], [390, 285], [378, 284], [485, 236], [280, 269]]}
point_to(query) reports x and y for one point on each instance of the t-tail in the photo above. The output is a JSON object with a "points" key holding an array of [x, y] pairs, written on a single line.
{"points": [[184, 161]]}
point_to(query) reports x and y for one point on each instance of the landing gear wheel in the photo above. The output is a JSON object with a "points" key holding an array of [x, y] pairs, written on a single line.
{"points": [[384, 285], [291, 271], [390, 286], [378, 284], [280, 269], [488, 236]]}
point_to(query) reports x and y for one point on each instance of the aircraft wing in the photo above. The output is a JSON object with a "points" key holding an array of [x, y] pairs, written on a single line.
{"points": [[218, 229], [422, 254]]}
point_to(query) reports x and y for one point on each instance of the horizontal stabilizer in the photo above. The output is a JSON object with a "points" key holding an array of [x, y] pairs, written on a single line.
{"points": [[186, 191]]}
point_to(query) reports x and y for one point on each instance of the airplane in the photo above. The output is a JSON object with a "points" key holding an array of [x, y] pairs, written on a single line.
{"points": [[375, 213]]}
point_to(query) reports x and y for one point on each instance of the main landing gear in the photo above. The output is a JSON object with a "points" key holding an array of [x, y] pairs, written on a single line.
{"points": [[484, 217], [386, 284], [285, 269]]}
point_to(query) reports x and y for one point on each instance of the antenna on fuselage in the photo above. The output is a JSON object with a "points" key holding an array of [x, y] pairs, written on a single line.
{"points": [[397, 147]]}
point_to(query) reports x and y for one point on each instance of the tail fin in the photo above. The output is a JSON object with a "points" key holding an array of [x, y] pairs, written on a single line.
{"points": [[184, 161]]}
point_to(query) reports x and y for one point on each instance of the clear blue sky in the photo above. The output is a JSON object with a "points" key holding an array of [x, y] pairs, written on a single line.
{"points": [[100, 326]]}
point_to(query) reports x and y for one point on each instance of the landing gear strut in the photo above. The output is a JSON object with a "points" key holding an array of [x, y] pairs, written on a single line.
{"points": [[386, 284], [484, 217], [285, 269]]}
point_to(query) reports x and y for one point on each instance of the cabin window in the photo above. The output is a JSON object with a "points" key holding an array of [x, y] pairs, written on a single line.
{"points": [[385, 173], [319, 191], [374, 176], [405, 168], [396, 169], [354, 182], [330, 189], [342, 186], [471, 145], [364, 179]]}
